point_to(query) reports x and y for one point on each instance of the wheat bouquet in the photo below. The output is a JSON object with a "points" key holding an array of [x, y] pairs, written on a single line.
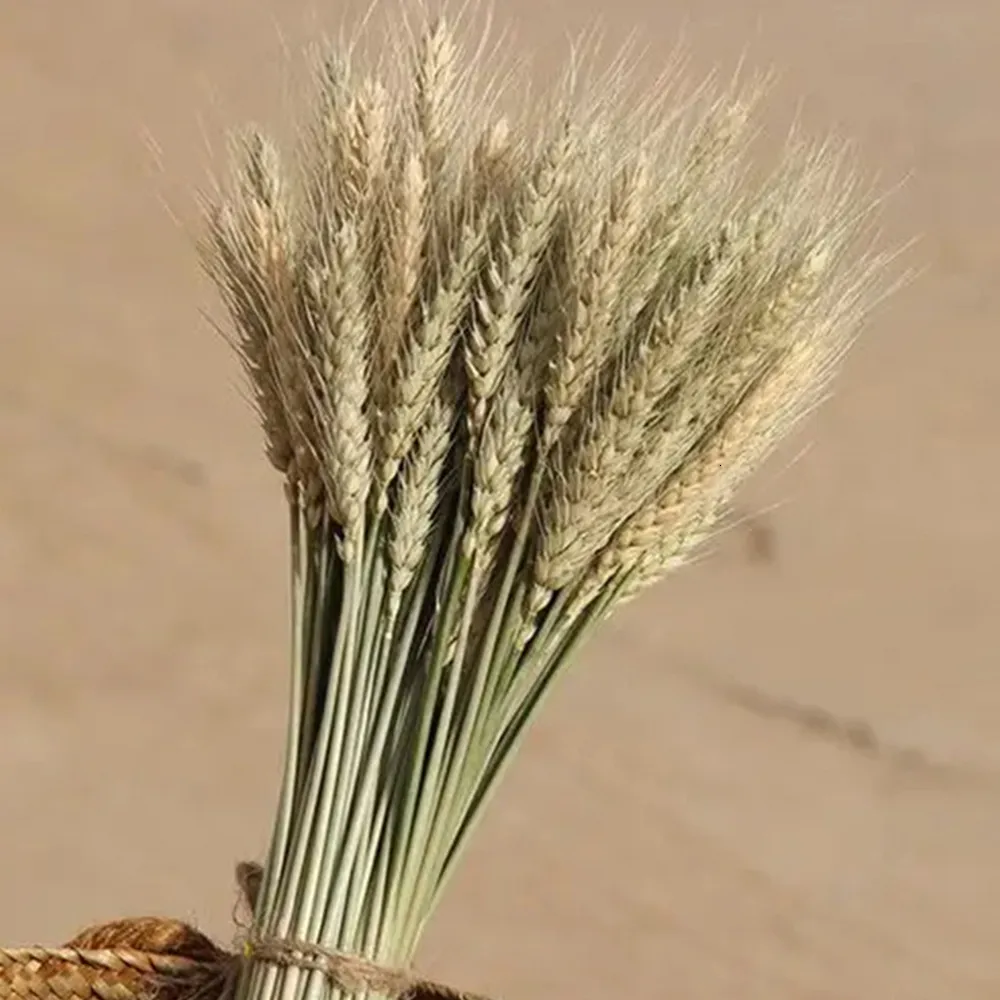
{"points": [[511, 370]]}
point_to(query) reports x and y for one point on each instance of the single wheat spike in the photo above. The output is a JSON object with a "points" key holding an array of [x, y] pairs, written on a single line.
{"points": [[416, 501], [436, 94], [423, 361], [602, 259], [325, 153], [239, 283], [368, 143], [345, 359], [404, 234], [508, 278], [497, 464], [251, 253], [497, 164]]}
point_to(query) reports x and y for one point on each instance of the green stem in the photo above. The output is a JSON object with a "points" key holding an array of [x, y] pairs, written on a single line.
{"points": [[428, 753], [334, 802], [380, 856], [450, 805], [505, 749], [310, 868]]}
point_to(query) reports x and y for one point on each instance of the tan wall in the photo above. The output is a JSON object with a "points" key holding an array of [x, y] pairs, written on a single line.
{"points": [[676, 827]]}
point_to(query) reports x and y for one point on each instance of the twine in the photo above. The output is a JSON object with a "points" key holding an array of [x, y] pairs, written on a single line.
{"points": [[156, 959], [350, 973]]}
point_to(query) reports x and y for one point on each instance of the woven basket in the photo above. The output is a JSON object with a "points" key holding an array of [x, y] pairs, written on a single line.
{"points": [[148, 958]]}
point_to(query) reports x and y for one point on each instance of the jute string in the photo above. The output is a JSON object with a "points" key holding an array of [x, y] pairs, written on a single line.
{"points": [[152, 958]]}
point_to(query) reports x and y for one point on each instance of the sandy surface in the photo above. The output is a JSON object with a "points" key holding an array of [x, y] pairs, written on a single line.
{"points": [[683, 822]]}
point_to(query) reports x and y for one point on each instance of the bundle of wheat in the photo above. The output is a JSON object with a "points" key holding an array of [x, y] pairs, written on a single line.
{"points": [[512, 372]]}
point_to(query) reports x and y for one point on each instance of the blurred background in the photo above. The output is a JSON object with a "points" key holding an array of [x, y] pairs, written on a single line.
{"points": [[775, 776]]}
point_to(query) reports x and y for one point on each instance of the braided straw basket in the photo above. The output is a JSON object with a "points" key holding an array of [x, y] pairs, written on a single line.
{"points": [[133, 959]]}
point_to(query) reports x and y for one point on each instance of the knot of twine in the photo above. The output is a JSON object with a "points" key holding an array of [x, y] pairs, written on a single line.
{"points": [[348, 973], [344, 971]]}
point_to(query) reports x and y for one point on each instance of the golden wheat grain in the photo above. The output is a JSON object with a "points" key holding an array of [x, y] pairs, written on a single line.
{"points": [[508, 278], [437, 95], [603, 256], [323, 153], [689, 503], [246, 302], [623, 253], [345, 357], [418, 496], [368, 140], [497, 464], [583, 342], [251, 252], [424, 358], [404, 234], [494, 159], [589, 479], [368, 145]]}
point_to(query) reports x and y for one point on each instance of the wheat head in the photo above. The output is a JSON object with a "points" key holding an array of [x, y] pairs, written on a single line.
{"points": [[650, 282]]}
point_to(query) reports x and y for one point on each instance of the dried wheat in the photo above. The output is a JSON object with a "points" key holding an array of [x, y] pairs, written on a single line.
{"points": [[512, 370]]}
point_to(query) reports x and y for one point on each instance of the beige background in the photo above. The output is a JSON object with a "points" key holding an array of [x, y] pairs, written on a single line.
{"points": [[677, 827]]}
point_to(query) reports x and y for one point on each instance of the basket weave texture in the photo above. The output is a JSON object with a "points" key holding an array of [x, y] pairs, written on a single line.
{"points": [[147, 958]]}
